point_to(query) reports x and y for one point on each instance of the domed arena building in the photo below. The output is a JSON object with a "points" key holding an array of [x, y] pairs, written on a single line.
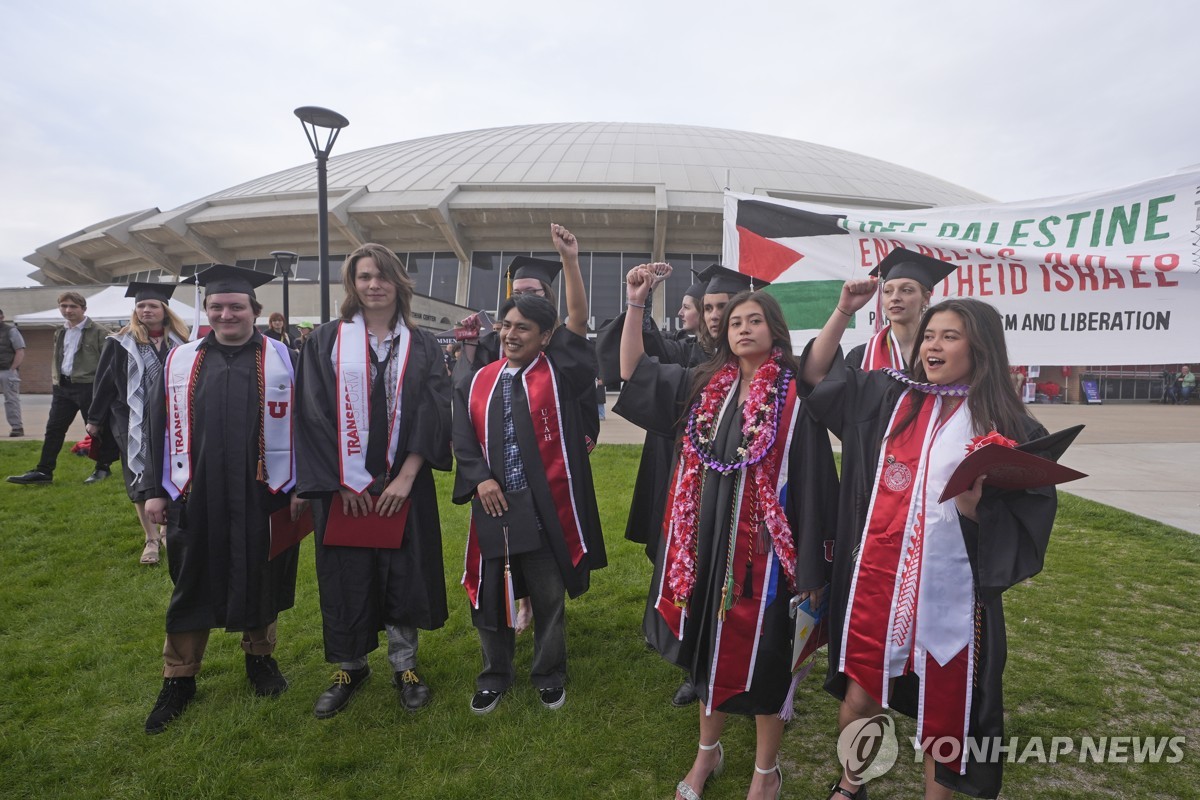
{"points": [[458, 207]]}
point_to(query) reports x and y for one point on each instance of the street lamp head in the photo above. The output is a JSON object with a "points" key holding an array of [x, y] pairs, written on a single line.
{"points": [[284, 259], [314, 117]]}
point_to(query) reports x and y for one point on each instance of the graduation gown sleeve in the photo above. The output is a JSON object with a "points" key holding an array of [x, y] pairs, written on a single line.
{"points": [[654, 396], [108, 389]]}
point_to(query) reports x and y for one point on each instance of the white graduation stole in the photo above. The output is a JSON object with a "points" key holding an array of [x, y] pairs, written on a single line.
{"points": [[135, 399], [278, 380], [352, 366]]}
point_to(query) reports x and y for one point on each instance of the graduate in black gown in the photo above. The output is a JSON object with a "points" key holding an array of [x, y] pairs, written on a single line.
{"points": [[375, 347], [518, 429], [227, 425], [687, 349], [738, 543], [532, 276], [906, 281], [916, 620], [130, 364]]}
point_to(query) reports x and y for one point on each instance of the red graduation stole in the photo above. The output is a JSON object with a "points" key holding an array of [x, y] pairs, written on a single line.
{"points": [[545, 412], [885, 583], [883, 351]]}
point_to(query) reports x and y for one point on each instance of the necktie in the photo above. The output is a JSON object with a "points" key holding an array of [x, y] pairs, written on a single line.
{"points": [[377, 440], [514, 470]]}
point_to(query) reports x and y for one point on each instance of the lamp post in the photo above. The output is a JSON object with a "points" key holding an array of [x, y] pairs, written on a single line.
{"points": [[312, 118], [284, 260]]}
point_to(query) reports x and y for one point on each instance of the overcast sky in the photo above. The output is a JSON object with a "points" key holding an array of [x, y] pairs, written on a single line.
{"points": [[120, 106]]}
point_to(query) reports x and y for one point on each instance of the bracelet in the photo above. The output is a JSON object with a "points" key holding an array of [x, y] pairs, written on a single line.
{"points": [[847, 313], [633, 305]]}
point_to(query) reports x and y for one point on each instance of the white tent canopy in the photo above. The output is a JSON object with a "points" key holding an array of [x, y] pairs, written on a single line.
{"points": [[109, 306]]}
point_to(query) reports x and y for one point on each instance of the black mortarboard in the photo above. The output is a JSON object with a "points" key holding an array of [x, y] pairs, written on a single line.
{"points": [[540, 268], [925, 270], [696, 290], [722, 280], [150, 291], [222, 278]]}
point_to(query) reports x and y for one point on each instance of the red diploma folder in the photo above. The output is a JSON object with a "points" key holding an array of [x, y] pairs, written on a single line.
{"points": [[1014, 468], [369, 531], [285, 533]]}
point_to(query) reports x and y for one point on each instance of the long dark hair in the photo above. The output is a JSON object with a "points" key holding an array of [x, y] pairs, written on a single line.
{"points": [[391, 268], [721, 354], [993, 402]]}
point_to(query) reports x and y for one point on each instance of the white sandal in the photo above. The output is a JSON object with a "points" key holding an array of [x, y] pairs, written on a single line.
{"points": [[761, 771], [687, 792]]}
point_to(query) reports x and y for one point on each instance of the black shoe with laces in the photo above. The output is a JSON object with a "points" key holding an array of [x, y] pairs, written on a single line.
{"points": [[264, 674], [174, 697], [414, 694], [346, 684]]}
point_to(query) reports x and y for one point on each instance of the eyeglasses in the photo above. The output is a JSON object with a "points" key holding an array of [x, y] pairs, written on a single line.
{"points": [[538, 292]]}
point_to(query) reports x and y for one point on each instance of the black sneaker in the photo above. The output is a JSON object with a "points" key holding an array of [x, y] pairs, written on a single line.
{"points": [[346, 684], [553, 698], [172, 700], [33, 476], [485, 701], [264, 674], [414, 694], [15, 432]]}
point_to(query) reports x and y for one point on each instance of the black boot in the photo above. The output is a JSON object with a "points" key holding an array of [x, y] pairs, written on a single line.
{"points": [[264, 674], [345, 684], [172, 700], [685, 695]]}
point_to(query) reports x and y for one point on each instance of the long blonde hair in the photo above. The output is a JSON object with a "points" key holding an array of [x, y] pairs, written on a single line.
{"points": [[171, 324]]}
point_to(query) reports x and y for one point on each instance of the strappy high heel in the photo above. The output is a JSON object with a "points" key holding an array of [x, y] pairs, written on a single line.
{"points": [[687, 792], [775, 769]]}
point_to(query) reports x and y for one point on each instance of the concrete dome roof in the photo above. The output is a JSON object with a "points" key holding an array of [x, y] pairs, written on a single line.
{"points": [[682, 158], [620, 186]]}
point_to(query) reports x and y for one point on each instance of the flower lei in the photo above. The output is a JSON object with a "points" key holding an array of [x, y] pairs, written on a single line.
{"points": [[760, 421], [946, 390]]}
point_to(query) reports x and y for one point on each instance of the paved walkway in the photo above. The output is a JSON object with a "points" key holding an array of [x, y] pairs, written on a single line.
{"points": [[1143, 458]]}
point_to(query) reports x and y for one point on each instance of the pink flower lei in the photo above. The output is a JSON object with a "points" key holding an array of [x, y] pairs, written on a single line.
{"points": [[757, 454]]}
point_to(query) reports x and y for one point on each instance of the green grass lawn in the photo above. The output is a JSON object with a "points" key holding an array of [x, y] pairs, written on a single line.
{"points": [[1103, 643]]}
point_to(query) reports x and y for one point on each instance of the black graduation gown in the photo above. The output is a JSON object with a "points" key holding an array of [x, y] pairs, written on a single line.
{"points": [[218, 539], [855, 357], [573, 359], [653, 398], [364, 588], [647, 505], [110, 410], [487, 350], [1007, 546]]}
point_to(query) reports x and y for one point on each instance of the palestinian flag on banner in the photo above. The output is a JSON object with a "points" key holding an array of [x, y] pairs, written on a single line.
{"points": [[772, 240]]}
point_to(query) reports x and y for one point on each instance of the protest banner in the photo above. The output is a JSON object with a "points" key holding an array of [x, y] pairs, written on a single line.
{"points": [[1101, 278]]}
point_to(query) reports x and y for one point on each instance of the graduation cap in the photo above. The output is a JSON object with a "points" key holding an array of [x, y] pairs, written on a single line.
{"points": [[223, 278], [721, 280], [901, 263], [140, 291], [539, 268], [696, 290]]}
